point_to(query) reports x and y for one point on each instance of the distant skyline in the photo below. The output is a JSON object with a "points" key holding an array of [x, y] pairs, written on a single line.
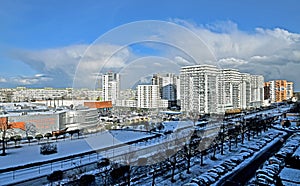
{"points": [[42, 42]]}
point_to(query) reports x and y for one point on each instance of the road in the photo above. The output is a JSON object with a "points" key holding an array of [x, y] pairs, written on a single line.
{"points": [[243, 175]]}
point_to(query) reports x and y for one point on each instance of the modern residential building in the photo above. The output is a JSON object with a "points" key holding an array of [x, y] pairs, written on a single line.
{"points": [[148, 96], [232, 82], [246, 91], [54, 96], [207, 89], [167, 87], [199, 89], [289, 90], [127, 103], [127, 99], [267, 92], [110, 87], [257, 90], [278, 90]]}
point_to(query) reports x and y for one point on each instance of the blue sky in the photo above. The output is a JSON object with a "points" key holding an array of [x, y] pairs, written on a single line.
{"points": [[30, 28]]}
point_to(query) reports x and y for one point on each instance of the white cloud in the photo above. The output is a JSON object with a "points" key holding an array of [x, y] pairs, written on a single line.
{"points": [[274, 53], [37, 79], [182, 61], [3, 80], [62, 63]]}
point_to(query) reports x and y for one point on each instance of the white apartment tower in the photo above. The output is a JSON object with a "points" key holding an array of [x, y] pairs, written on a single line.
{"points": [[257, 90], [207, 89], [167, 85], [199, 89], [232, 88], [110, 87], [148, 96], [246, 91]]}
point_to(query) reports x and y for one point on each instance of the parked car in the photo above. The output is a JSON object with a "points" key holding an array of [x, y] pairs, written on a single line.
{"points": [[267, 172], [245, 154], [237, 159], [279, 161]]}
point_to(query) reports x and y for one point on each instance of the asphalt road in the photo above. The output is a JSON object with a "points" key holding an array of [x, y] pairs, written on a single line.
{"points": [[243, 175]]}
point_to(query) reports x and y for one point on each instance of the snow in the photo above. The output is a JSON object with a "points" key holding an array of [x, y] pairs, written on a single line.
{"points": [[197, 170], [290, 175], [297, 152], [176, 125], [31, 154]]}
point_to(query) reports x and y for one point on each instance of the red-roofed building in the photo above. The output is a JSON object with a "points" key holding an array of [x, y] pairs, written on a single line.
{"points": [[102, 105]]}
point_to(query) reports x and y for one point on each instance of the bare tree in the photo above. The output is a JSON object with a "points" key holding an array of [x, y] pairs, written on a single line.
{"points": [[172, 160], [104, 167], [189, 151], [30, 129]]}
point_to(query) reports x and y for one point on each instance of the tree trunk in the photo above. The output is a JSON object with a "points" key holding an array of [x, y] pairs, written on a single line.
{"points": [[153, 178], [3, 144], [173, 172], [243, 133], [215, 149], [230, 144], [188, 164], [222, 146]]}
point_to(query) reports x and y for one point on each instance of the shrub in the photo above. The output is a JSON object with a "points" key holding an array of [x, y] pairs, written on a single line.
{"points": [[103, 162], [86, 179], [48, 149], [55, 176]]}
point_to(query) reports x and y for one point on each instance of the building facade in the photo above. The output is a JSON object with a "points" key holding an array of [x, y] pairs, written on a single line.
{"points": [[167, 87], [110, 87], [278, 90], [207, 89], [148, 96], [199, 89]]}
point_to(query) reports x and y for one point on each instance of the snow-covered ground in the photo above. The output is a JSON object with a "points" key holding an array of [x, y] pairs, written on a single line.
{"points": [[28, 154], [290, 176], [196, 169]]}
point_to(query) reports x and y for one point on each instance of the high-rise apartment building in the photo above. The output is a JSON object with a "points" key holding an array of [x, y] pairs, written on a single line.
{"points": [[267, 94], [167, 84], [110, 87], [207, 89], [232, 80], [241, 90], [148, 97], [279, 90], [199, 88], [257, 90], [289, 90]]}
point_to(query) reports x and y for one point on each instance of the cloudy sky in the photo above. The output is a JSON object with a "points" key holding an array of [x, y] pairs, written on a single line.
{"points": [[61, 43]]}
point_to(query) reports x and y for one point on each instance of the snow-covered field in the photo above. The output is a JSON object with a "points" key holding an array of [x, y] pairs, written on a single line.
{"points": [[28, 154]]}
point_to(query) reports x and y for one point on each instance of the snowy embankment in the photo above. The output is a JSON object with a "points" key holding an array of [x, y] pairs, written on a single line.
{"points": [[197, 170], [30, 154]]}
